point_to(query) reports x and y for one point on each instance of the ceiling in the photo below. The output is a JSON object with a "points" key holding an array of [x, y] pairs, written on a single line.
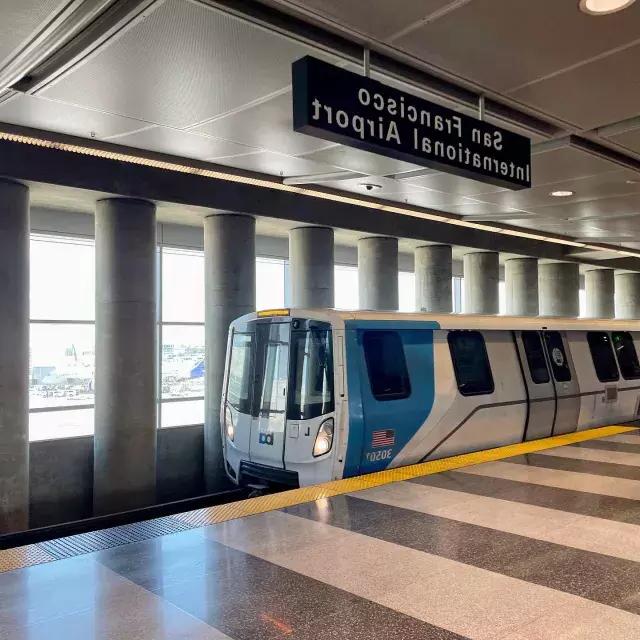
{"points": [[186, 78]]}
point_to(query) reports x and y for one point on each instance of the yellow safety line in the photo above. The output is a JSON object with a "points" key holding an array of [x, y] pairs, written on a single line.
{"points": [[262, 504], [32, 554]]}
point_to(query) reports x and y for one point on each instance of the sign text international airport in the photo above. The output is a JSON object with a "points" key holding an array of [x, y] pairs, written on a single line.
{"points": [[344, 107]]}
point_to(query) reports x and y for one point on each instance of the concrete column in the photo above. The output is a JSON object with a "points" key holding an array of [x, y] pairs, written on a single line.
{"points": [[558, 287], [311, 267], [627, 287], [230, 292], [378, 273], [433, 272], [125, 405], [481, 278], [598, 284], [521, 286], [14, 357]]}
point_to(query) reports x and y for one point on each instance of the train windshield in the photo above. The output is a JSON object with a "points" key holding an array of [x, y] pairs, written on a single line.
{"points": [[311, 374], [274, 369]]}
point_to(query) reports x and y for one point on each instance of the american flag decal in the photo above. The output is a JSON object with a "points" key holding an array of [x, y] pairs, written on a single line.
{"points": [[383, 438]]}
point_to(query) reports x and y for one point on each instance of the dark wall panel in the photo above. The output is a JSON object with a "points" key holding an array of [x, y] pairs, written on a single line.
{"points": [[61, 474], [61, 480]]}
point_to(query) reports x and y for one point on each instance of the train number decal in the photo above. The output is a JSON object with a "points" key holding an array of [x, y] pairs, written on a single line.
{"points": [[375, 456]]}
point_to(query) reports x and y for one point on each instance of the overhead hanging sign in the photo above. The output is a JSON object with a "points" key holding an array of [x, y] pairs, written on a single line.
{"points": [[345, 107]]}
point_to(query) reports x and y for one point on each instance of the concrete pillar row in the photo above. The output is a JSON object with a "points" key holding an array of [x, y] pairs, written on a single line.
{"points": [[627, 296], [230, 292], [481, 280], [433, 272], [14, 357], [521, 286], [599, 293], [378, 273], [126, 354], [312, 267], [559, 286]]}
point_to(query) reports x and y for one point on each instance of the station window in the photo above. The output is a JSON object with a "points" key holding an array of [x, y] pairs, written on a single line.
{"points": [[602, 355], [534, 351], [470, 362], [557, 356], [61, 343], [386, 365], [626, 354]]}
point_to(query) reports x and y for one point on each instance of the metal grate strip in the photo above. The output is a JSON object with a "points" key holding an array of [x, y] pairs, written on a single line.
{"points": [[116, 536]]}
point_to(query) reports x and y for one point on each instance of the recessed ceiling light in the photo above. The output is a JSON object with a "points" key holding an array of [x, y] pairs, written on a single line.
{"points": [[561, 194], [603, 7]]}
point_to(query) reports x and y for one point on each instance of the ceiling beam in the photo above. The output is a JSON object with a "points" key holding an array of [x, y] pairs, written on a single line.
{"points": [[39, 156]]}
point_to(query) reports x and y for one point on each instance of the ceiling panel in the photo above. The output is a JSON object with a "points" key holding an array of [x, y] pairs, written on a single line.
{"points": [[604, 185], [448, 183], [275, 164], [268, 125], [397, 191], [181, 143], [377, 18], [480, 209], [182, 65], [360, 161], [30, 111], [629, 139], [506, 43], [594, 209], [593, 95], [567, 163], [21, 19]]}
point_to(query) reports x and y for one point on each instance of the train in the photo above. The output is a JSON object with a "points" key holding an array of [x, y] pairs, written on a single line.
{"points": [[313, 395]]}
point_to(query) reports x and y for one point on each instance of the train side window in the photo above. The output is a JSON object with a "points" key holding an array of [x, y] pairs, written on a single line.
{"points": [[386, 365], [534, 351], [470, 362], [626, 354], [602, 355], [557, 356]]}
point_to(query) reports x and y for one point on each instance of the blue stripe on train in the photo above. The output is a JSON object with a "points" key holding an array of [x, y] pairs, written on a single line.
{"points": [[403, 416]]}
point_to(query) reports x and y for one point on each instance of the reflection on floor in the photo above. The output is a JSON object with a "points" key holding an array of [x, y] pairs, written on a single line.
{"points": [[542, 546]]}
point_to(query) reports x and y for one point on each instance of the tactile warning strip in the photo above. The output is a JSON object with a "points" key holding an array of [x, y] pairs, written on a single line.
{"points": [[22, 557], [84, 543], [252, 506]]}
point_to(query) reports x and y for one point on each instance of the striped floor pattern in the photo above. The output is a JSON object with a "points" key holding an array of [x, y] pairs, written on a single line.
{"points": [[540, 546]]}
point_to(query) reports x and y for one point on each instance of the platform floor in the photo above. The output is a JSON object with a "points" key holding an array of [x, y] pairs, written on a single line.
{"points": [[539, 546]]}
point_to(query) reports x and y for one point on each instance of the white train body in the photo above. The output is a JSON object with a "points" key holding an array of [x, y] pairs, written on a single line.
{"points": [[315, 395]]}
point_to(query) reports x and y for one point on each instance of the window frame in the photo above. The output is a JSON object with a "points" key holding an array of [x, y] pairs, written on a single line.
{"points": [[455, 361], [524, 335], [593, 335], [635, 354], [405, 376]]}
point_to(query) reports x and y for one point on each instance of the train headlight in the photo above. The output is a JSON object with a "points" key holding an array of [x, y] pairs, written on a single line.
{"points": [[228, 424], [324, 439]]}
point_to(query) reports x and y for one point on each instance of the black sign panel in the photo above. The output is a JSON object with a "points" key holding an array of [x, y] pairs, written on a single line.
{"points": [[344, 107]]}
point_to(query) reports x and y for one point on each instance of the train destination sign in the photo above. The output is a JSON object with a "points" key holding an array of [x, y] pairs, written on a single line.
{"points": [[345, 107]]}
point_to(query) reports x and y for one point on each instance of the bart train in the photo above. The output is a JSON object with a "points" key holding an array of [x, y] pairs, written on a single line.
{"points": [[315, 395]]}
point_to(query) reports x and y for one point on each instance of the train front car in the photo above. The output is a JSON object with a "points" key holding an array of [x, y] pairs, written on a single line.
{"points": [[278, 409]]}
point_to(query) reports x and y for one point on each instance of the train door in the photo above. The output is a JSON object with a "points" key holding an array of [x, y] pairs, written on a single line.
{"points": [[540, 386], [271, 375], [397, 392], [567, 390]]}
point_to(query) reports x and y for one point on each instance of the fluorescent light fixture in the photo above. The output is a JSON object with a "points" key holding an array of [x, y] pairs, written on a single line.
{"points": [[280, 186], [603, 7], [561, 193]]}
